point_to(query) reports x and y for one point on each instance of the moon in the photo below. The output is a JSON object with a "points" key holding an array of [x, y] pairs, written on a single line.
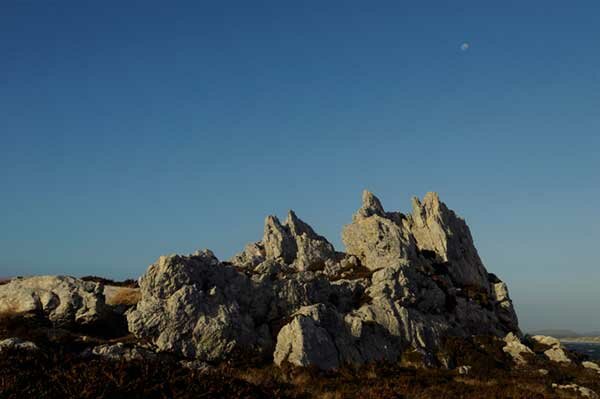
{"points": [[465, 46]]}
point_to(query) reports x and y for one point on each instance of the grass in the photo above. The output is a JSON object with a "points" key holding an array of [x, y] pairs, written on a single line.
{"points": [[126, 296], [59, 371]]}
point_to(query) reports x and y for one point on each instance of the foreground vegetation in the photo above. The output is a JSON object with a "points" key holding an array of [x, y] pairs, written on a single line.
{"points": [[61, 370]]}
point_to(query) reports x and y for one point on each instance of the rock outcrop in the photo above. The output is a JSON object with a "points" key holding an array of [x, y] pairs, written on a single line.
{"points": [[581, 391], [404, 283], [60, 299], [17, 344], [293, 242], [516, 349], [120, 351], [592, 366], [555, 351]]}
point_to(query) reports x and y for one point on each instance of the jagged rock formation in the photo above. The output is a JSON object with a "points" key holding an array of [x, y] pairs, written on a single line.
{"points": [[293, 242], [62, 300], [405, 282]]}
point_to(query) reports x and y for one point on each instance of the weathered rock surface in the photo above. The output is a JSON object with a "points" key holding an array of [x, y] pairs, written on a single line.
{"points": [[377, 238], [556, 351], [120, 351], [592, 366], [516, 349], [17, 344], [62, 300], [582, 391], [293, 242], [404, 284], [306, 340], [437, 229]]}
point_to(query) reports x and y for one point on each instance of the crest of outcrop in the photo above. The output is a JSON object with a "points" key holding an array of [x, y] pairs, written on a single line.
{"points": [[405, 283], [377, 238], [293, 242], [438, 230]]}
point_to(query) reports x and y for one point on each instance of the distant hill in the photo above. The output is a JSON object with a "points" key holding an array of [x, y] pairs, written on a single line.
{"points": [[563, 333], [557, 333], [586, 339]]}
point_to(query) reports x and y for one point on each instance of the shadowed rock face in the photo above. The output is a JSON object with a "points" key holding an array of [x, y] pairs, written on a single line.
{"points": [[405, 282], [436, 228]]}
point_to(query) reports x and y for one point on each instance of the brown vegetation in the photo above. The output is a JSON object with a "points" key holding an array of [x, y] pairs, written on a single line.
{"points": [[63, 373], [126, 296], [59, 370]]}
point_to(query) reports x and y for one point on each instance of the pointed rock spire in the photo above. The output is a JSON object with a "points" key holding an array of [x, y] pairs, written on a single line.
{"points": [[437, 228], [298, 227], [377, 238], [370, 206], [277, 241]]}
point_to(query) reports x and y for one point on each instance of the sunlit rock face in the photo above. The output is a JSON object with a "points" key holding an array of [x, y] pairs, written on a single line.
{"points": [[62, 300], [403, 284]]}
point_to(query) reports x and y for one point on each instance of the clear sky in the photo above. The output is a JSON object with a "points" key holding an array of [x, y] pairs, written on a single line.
{"points": [[134, 129]]}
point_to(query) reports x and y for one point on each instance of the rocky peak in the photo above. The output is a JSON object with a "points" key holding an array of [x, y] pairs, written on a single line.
{"points": [[293, 242], [377, 238], [278, 241], [439, 231], [297, 227], [370, 206]]}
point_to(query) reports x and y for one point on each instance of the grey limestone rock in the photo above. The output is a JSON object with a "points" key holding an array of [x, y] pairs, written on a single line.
{"points": [[404, 284], [61, 299]]}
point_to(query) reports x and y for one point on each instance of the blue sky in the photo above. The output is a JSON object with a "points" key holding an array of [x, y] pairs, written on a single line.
{"points": [[133, 130]]}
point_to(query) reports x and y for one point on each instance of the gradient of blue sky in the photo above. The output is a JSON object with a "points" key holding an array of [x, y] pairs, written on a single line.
{"points": [[134, 129]]}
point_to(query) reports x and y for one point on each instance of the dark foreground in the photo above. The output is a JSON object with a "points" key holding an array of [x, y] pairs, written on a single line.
{"points": [[59, 370]]}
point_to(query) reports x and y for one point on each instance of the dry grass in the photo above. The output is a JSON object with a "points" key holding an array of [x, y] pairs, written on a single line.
{"points": [[126, 296], [9, 311], [59, 371]]}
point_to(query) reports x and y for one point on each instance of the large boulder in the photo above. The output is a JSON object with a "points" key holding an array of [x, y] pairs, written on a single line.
{"points": [[306, 341], [195, 307], [555, 351], [63, 300]]}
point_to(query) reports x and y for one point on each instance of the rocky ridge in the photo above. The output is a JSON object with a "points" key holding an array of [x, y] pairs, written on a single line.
{"points": [[404, 283]]}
